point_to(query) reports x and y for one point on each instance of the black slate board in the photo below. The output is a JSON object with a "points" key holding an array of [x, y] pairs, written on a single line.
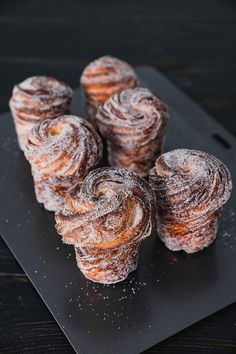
{"points": [[167, 293]]}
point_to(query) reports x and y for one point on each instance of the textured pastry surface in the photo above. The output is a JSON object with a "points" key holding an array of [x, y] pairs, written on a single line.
{"points": [[108, 266], [103, 78], [35, 99], [134, 123], [106, 217], [191, 187], [61, 152]]}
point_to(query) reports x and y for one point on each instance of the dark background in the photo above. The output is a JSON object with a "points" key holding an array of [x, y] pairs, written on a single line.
{"points": [[192, 42]]}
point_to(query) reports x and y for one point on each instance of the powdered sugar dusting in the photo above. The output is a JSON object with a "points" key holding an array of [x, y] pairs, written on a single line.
{"points": [[191, 187], [107, 250], [107, 69], [134, 122], [102, 79], [227, 235], [61, 152], [93, 294], [35, 99]]}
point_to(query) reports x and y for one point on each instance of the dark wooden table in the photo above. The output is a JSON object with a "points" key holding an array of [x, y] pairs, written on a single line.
{"points": [[192, 42]]}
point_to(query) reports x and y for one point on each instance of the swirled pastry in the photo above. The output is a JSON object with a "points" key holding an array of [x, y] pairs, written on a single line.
{"points": [[102, 78], [191, 186], [134, 123], [61, 152], [105, 218], [35, 99]]}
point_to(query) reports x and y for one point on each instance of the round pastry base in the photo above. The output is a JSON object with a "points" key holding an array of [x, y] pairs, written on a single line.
{"points": [[107, 266]]}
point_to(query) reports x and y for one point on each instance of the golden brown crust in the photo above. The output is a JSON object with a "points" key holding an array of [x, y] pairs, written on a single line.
{"points": [[191, 186], [104, 217], [35, 99], [107, 266], [61, 152], [103, 78], [134, 123]]}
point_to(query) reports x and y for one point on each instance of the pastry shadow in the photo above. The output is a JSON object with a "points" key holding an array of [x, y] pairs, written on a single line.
{"points": [[171, 271]]}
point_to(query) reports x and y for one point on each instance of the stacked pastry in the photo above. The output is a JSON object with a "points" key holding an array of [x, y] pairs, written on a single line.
{"points": [[105, 218], [35, 99], [191, 186], [61, 152], [134, 124], [102, 79]]}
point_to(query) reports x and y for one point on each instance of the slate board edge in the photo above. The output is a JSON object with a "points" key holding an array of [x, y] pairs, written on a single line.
{"points": [[155, 75], [184, 104], [220, 307]]}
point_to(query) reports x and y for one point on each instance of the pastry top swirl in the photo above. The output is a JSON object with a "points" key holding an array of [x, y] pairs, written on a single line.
{"points": [[190, 183], [131, 117], [66, 147], [106, 76], [111, 207], [40, 97]]}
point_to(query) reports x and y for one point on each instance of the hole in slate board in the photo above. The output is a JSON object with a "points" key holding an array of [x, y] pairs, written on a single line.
{"points": [[221, 140]]}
